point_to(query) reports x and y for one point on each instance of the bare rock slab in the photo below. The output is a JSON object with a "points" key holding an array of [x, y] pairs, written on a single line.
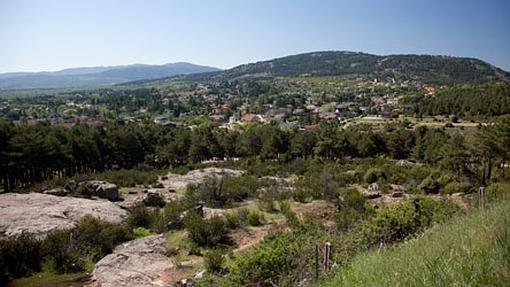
{"points": [[137, 263], [177, 182], [39, 214]]}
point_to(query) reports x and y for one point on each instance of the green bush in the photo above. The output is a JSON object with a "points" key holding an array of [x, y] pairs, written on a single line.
{"points": [[429, 185], [352, 198], [447, 178], [267, 201], [97, 238], [128, 177], [300, 195], [346, 219], [139, 216], [239, 188], [284, 206], [267, 263], [19, 257], [497, 191], [63, 251], [214, 260], [141, 232], [206, 232], [373, 175], [256, 218], [456, 187], [237, 218], [397, 222]]}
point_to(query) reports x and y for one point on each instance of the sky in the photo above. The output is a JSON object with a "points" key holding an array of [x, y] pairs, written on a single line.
{"points": [[48, 35]]}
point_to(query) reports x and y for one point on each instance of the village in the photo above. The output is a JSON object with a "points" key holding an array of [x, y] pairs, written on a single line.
{"points": [[288, 103]]}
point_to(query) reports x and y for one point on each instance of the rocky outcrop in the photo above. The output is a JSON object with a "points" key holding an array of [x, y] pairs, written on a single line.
{"points": [[39, 214], [135, 195], [177, 181], [137, 263], [57, 191]]}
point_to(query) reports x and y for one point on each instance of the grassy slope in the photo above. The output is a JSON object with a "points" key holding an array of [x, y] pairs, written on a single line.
{"points": [[471, 250]]}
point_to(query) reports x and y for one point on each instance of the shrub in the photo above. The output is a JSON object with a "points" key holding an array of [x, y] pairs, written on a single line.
{"points": [[497, 191], [354, 199], [267, 263], [141, 232], [19, 257], [429, 185], [456, 187], [139, 216], [256, 218], [239, 188], [284, 206], [62, 250], [267, 201], [129, 177], [300, 195], [83, 190], [374, 174], [212, 193], [97, 238], [214, 260], [406, 218], [346, 219], [237, 218], [447, 178], [206, 232]]}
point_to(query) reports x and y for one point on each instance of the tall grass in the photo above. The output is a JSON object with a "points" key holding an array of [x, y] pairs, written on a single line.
{"points": [[470, 250]]}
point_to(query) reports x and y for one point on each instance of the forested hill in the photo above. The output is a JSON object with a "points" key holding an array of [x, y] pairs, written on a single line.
{"points": [[424, 68]]}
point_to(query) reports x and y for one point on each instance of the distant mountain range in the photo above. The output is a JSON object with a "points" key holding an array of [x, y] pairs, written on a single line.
{"points": [[95, 76], [423, 68]]}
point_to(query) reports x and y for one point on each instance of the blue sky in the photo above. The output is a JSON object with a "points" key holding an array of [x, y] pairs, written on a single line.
{"points": [[40, 35]]}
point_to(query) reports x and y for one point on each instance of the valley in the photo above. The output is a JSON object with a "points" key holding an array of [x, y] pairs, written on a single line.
{"points": [[241, 177]]}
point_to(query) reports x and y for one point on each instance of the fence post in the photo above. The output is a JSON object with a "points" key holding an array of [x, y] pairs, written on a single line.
{"points": [[327, 256], [481, 197], [317, 263]]}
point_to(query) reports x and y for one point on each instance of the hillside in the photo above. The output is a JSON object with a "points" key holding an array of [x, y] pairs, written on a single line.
{"points": [[472, 250], [93, 76], [423, 68]]}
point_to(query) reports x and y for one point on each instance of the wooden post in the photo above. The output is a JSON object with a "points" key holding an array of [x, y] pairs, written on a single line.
{"points": [[327, 257], [317, 263], [481, 197]]}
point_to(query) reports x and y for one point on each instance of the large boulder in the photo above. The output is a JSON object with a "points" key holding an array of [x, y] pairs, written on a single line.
{"points": [[108, 191], [103, 189], [39, 214], [371, 194], [138, 263], [154, 199], [374, 187]]}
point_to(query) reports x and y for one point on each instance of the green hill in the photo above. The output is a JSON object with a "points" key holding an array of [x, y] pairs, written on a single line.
{"points": [[471, 250], [423, 68]]}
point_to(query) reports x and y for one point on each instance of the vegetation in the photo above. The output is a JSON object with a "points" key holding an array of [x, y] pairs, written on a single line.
{"points": [[467, 101], [313, 133], [53, 153], [64, 251], [431, 69], [471, 250]]}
